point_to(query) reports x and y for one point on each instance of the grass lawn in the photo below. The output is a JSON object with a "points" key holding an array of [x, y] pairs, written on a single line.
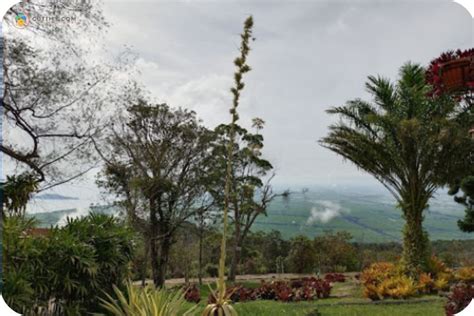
{"points": [[346, 299], [308, 308]]}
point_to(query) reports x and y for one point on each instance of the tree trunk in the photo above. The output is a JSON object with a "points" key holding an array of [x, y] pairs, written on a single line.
{"points": [[145, 264], [416, 252], [154, 261], [163, 261], [236, 254], [201, 233]]}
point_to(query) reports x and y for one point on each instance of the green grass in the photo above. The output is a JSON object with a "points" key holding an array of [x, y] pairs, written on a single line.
{"points": [[263, 308]]}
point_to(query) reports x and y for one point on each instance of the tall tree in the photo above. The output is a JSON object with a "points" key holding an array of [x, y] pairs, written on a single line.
{"points": [[222, 305], [407, 142], [156, 160], [250, 184]]}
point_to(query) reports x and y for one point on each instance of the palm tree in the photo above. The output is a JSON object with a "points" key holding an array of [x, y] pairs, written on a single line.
{"points": [[407, 141]]}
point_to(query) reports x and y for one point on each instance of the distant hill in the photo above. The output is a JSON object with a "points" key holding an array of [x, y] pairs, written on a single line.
{"points": [[52, 196], [48, 219]]}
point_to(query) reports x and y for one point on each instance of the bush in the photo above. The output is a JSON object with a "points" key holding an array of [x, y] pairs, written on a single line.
{"points": [[382, 280], [212, 270], [465, 274], [305, 289], [460, 296], [145, 302], [335, 277], [64, 270]]}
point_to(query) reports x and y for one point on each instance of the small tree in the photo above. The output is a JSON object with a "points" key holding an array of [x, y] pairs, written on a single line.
{"points": [[302, 256], [405, 140]]}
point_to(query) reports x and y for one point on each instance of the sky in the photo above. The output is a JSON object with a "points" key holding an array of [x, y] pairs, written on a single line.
{"points": [[307, 57]]}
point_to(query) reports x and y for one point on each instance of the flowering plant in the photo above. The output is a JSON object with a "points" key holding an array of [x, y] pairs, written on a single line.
{"points": [[435, 74]]}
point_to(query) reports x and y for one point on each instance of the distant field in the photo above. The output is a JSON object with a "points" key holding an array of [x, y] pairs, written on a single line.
{"points": [[369, 215]]}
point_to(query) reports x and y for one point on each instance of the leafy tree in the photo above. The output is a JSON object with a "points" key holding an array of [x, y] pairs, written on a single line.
{"points": [[250, 195], [466, 186], [405, 140], [156, 160], [335, 250], [302, 256], [271, 245], [461, 180]]}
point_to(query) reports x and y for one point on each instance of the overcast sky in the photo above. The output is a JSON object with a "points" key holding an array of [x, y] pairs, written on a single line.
{"points": [[308, 56]]}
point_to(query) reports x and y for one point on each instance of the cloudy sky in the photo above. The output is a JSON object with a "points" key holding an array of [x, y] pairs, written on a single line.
{"points": [[308, 56]]}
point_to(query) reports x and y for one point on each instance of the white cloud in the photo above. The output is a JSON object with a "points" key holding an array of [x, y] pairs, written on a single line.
{"points": [[324, 212]]}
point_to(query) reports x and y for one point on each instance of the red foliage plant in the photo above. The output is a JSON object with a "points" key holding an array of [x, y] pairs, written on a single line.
{"points": [[460, 296], [192, 293], [335, 277], [434, 71], [305, 289]]}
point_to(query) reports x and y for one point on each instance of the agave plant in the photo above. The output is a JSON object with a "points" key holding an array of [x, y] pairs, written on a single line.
{"points": [[222, 306], [145, 301], [220, 309]]}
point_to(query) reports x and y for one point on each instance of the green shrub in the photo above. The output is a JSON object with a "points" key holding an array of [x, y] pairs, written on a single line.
{"points": [[64, 270]]}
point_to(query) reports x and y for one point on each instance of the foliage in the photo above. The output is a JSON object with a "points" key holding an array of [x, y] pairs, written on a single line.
{"points": [[192, 294], [406, 141], [239, 166], [463, 179], [305, 289], [466, 186], [460, 296], [433, 73], [335, 277], [65, 269], [465, 274], [382, 280], [250, 193], [302, 256], [16, 192], [145, 301], [333, 250], [156, 159]]}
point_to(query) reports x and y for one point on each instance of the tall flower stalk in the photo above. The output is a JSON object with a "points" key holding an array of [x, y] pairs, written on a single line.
{"points": [[222, 305]]}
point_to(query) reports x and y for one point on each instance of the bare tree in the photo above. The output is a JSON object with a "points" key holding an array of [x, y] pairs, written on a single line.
{"points": [[57, 91]]}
